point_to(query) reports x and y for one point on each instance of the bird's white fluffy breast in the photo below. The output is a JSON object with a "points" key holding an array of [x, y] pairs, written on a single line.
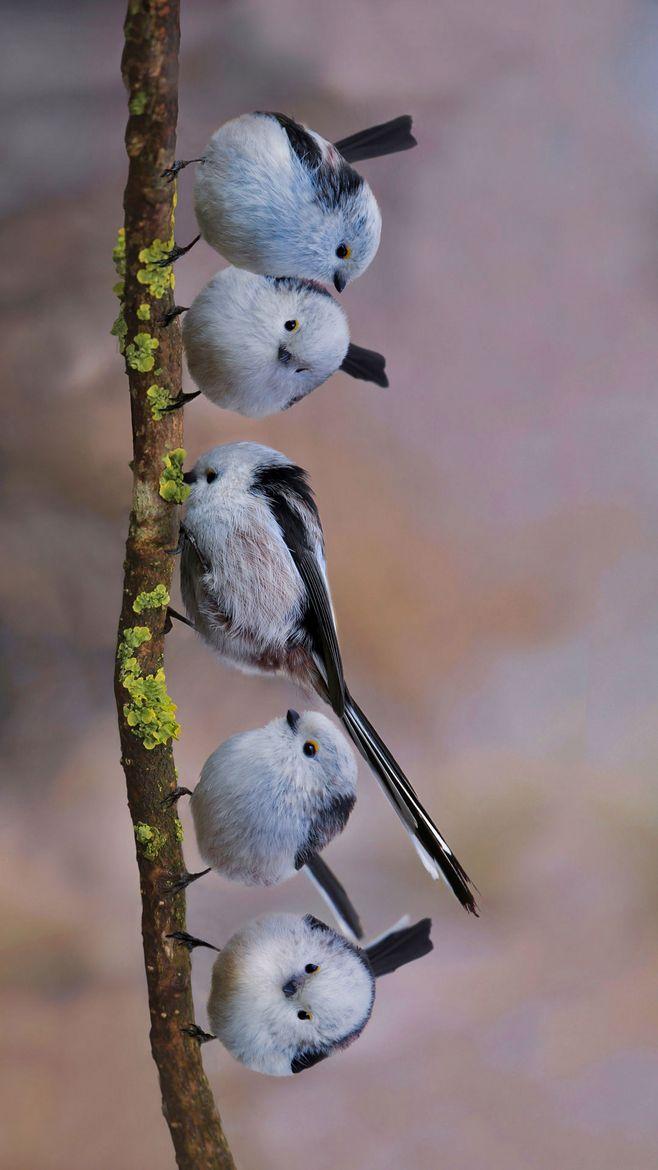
{"points": [[249, 1012], [253, 198], [234, 330]]}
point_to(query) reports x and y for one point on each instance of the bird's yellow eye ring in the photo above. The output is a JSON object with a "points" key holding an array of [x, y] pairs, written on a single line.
{"points": [[343, 251], [292, 326], [312, 968], [302, 1015], [311, 748]]}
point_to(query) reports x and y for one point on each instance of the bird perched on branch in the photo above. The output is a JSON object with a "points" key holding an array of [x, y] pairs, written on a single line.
{"points": [[287, 991], [259, 344], [270, 800], [254, 584], [276, 198]]}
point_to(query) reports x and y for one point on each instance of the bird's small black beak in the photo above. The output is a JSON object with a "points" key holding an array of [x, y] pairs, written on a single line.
{"points": [[293, 719], [340, 280], [189, 477], [292, 986]]}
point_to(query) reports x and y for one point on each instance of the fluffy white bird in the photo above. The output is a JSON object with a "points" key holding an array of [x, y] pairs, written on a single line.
{"points": [[254, 583], [259, 344], [287, 991], [276, 198], [270, 800]]}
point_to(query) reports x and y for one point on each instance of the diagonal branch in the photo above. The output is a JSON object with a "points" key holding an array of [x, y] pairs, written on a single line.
{"points": [[147, 722]]}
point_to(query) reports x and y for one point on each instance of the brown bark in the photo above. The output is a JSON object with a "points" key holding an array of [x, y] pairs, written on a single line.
{"points": [[150, 72]]}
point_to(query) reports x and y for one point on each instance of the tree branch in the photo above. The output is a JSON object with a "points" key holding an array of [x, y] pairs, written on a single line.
{"points": [[146, 715]]}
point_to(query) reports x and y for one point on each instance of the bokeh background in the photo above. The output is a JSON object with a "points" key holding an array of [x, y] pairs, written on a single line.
{"points": [[490, 523]]}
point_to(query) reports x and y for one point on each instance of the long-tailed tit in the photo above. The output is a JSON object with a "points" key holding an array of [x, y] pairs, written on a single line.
{"points": [[254, 583], [274, 197], [270, 800], [287, 991], [258, 344]]}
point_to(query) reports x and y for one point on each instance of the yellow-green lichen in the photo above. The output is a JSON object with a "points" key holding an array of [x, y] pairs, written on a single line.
{"points": [[159, 280], [119, 253], [137, 103], [132, 639], [120, 330], [150, 712], [179, 830], [140, 351], [144, 312], [160, 399], [172, 488], [156, 599], [150, 839]]}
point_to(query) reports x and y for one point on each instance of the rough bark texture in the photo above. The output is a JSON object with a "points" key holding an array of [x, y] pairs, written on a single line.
{"points": [[150, 72]]}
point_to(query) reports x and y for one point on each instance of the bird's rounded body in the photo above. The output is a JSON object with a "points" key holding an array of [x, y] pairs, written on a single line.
{"points": [[257, 345], [260, 985], [276, 198], [250, 603], [269, 798]]}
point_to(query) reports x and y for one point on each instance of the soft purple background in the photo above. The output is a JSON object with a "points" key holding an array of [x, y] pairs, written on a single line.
{"points": [[491, 525]]}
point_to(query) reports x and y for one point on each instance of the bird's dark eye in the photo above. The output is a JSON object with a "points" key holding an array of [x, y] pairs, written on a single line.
{"points": [[291, 326], [311, 748], [210, 476], [311, 968], [343, 251], [302, 1015]]}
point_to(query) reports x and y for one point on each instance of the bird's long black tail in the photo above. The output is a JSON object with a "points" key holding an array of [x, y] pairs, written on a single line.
{"points": [[386, 138], [434, 851], [334, 894], [400, 946]]}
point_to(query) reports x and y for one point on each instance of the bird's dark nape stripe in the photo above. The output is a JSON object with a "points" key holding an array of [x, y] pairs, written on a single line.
{"points": [[335, 892], [400, 947], [316, 924], [406, 803], [299, 284], [365, 364], [301, 142], [386, 138]]}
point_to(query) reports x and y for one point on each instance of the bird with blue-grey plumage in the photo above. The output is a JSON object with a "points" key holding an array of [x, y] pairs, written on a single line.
{"points": [[275, 197], [259, 344], [288, 991]]}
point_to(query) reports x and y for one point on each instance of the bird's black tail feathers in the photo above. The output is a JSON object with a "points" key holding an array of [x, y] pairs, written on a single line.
{"points": [[399, 947], [386, 138], [434, 851], [334, 893], [365, 364]]}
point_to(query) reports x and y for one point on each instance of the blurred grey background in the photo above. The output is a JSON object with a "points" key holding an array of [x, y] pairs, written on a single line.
{"points": [[491, 524]]}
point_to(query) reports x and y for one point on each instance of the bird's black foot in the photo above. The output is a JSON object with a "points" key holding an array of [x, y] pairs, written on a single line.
{"points": [[189, 941], [173, 613], [173, 314], [180, 883], [173, 797], [182, 400], [175, 254], [198, 1033], [179, 165]]}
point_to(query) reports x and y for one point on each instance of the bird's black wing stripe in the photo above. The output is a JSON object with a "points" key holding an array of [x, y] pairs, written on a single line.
{"points": [[280, 484], [326, 825], [301, 142], [306, 1058]]}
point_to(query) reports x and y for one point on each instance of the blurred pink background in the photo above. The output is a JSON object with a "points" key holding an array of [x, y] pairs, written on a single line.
{"points": [[490, 524]]}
